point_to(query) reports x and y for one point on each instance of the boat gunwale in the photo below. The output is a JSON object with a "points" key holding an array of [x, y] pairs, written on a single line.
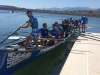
{"points": [[31, 50]]}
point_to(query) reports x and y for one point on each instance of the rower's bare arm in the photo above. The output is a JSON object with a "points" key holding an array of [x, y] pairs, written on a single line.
{"points": [[53, 37], [39, 36], [49, 34], [28, 24]]}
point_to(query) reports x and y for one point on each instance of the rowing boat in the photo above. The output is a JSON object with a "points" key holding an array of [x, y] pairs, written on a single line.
{"points": [[14, 60]]}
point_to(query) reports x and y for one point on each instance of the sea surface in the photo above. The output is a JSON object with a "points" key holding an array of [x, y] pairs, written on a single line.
{"points": [[10, 21]]}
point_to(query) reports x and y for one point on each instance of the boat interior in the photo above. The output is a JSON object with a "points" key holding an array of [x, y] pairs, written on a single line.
{"points": [[17, 45]]}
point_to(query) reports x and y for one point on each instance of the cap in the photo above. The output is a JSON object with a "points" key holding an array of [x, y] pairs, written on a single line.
{"points": [[53, 25], [81, 14], [63, 21], [66, 22], [78, 19], [28, 11], [56, 22], [70, 18]]}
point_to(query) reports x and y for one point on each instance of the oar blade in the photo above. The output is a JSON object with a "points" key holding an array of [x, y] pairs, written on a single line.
{"points": [[16, 37]]}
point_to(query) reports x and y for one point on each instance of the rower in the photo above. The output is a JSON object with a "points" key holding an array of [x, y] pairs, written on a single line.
{"points": [[60, 29], [71, 23], [79, 24], [66, 28], [55, 31], [58, 26], [76, 24], [33, 23], [44, 34], [84, 20], [70, 18], [62, 23], [54, 34]]}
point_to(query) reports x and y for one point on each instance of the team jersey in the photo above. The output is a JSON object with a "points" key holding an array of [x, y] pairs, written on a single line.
{"points": [[34, 22], [84, 20], [79, 20], [54, 32], [76, 22], [73, 22], [44, 32], [66, 28], [60, 24], [60, 28]]}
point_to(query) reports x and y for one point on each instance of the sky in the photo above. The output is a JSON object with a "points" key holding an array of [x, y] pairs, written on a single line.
{"points": [[34, 4]]}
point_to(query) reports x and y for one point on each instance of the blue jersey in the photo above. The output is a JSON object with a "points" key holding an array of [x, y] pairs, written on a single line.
{"points": [[84, 20], [73, 22], [34, 22], [60, 29], [68, 28], [44, 32], [60, 24], [76, 22], [79, 21], [54, 32]]}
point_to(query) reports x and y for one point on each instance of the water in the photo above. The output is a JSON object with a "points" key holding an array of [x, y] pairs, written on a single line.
{"points": [[10, 21]]}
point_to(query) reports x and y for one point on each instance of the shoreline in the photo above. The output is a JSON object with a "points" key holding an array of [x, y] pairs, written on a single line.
{"points": [[90, 13], [16, 11], [61, 12], [69, 13]]}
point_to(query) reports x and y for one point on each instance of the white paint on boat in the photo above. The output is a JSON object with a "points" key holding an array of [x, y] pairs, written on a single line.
{"points": [[16, 37]]}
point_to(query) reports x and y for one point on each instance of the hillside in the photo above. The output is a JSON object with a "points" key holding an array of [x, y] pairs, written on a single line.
{"points": [[66, 10]]}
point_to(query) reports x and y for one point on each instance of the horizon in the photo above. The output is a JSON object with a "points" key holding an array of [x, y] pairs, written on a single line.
{"points": [[34, 4], [51, 7]]}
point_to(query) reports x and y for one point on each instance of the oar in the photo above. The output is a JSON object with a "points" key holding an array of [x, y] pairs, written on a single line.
{"points": [[51, 39], [86, 27], [11, 34], [64, 39]]}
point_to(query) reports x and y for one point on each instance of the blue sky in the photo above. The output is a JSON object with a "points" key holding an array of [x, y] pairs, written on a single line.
{"points": [[51, 3]]}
